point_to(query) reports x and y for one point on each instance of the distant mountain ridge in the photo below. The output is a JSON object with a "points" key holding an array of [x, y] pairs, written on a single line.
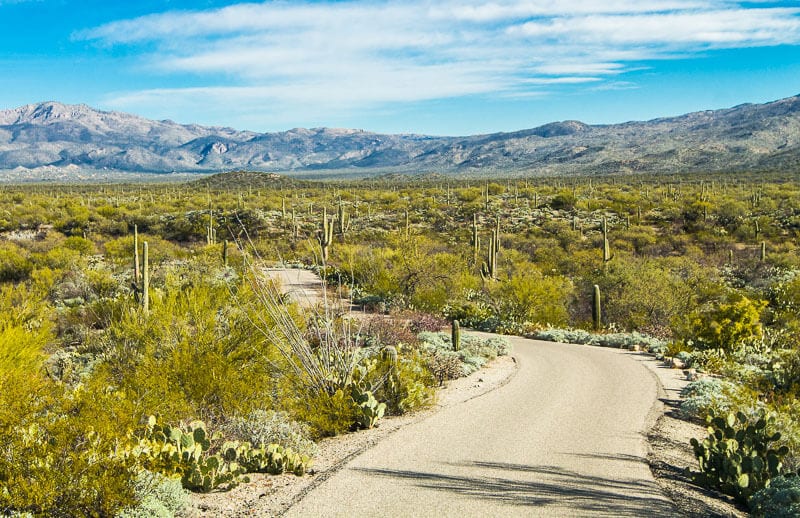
{"points": [[746, 137]]}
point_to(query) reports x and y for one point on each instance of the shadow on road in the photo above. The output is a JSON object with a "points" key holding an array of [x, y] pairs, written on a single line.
{"points": [[566, 490]]}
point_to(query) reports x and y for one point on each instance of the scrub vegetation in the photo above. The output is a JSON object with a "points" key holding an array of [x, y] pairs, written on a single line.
{"points": [[142, 345]]}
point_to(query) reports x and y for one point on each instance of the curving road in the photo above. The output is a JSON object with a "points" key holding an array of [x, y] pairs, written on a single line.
{"points": [[565, 437]]}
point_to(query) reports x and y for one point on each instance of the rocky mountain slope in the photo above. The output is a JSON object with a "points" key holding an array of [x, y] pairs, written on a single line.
{"points": [[67, 137]]}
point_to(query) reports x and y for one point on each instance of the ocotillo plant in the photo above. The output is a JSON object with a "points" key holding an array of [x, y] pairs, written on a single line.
{"points": [[455, 335], [325, 237], [596, 315]]}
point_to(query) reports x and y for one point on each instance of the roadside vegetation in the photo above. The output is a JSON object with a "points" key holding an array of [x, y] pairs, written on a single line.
{"points": [[126, 379]]}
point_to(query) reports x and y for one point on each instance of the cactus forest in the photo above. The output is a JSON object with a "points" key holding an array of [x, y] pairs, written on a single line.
{"points": [[142, 344]]}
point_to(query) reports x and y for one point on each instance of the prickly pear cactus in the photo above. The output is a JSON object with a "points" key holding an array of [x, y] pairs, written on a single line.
{"points": [[737, 458]]}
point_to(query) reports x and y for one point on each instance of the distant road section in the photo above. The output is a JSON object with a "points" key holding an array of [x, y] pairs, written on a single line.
{"points": [[565, 437]]}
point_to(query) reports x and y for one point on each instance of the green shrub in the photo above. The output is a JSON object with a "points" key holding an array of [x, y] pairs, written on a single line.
{"points": [[157, 496], [14, 263], [262, 427], [726, 325], [326, 414], [708, 396], [781, 499]]}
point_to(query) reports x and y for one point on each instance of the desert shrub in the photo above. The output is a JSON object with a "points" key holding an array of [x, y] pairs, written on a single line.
{"points": [[726, 325], [530, 296], [426, 322], [79, 244], [708, 396], [474, 352], [409, 384], [157, 496], [445, 365], [14, 263], [196, 355], [262, 427], [326, 414], [620, 340], [781, 499], [58, 458]]}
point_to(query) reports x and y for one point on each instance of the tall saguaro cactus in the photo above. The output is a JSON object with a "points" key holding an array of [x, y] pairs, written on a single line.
{"points": [[325, 237], [145, 279], [476, 240], [489, 269], [137, 274], [455, 335], [606, 246]]}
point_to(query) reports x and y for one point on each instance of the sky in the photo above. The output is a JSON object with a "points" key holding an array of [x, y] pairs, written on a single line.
{"points": [[415, 66]]}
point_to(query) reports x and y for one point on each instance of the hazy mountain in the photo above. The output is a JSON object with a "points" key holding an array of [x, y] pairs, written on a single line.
{"points": [[55, 136]]}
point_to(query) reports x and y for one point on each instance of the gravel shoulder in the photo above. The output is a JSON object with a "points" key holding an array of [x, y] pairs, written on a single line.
{"points": [[670, 452]]}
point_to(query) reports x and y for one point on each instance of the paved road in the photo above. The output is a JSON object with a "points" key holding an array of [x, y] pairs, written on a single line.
{"points": [[563, 438]]}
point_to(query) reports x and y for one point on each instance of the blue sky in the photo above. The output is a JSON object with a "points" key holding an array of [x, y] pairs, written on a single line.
{"points": [[436, 67]]}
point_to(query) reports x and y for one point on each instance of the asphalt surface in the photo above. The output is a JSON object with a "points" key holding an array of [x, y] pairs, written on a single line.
{"points": [[565, 437]]}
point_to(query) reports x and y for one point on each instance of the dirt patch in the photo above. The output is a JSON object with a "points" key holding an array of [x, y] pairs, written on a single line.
{"points": [[269, 495]]}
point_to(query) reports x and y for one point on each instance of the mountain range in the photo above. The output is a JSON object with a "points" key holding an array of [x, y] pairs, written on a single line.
{"points": [[751, 137]]}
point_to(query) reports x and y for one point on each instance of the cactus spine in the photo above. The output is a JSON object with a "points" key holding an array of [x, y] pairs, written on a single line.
{"points": [[596, 315], [145, 279], [455, 335]]}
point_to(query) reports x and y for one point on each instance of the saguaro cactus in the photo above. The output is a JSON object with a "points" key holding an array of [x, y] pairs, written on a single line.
{"points": [[455, 335], [596, 314], [606, 246], [342, 220], [489, 269], [476, 240], [137, 274], [225, 253], [325, 237], [763, 251], [145, 279]]}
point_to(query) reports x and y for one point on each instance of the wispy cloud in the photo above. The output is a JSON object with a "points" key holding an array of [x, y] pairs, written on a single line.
{"points": [[278, 58]]}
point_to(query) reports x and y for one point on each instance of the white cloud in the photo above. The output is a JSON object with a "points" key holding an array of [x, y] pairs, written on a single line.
{"points": [[324, 58]]}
